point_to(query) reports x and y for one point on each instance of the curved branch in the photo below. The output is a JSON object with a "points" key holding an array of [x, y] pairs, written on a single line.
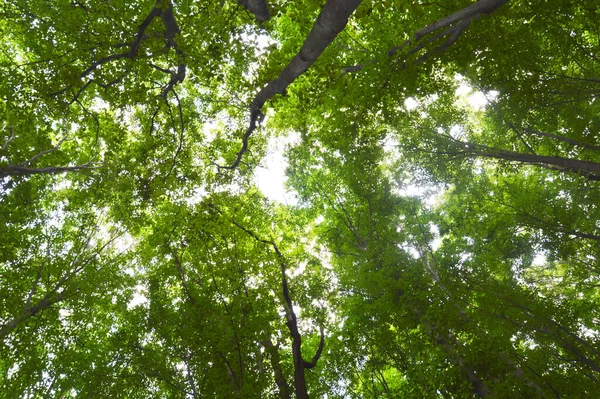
{"points": [[9, 139], [47, 301], [133, 48], [331, 21], [284, 388], [315, 359], [161, 9], [42, 153], [474, 11], [292, 322]]}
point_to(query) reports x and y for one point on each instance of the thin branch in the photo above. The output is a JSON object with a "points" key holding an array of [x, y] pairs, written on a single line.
{"points": [[191, 379], [499, 112], [47, 301], [182, 275], [42, 153], [284, 388], [181, 132], [256, 116], [234, 379], [455, 23], [474, 11], [35, 285], [562, 138], [292, 321], [165, 12], [133, 48]]}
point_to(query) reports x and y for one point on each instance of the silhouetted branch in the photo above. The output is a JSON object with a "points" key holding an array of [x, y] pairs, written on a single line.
{"points": [[455, 23], [161, 9], [258, 8], [292, 322], [331, 21]]}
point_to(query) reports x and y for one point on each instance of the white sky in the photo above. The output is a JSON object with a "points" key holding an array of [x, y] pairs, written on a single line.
{"points": [[270, 176]]}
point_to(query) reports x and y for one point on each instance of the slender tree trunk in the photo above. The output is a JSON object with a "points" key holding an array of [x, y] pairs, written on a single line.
{"points": [[284, 388], [292, 322]]}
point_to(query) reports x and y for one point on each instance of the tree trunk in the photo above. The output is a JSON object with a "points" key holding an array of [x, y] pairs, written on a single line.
{"points": [[331, 21], [258, 8]]}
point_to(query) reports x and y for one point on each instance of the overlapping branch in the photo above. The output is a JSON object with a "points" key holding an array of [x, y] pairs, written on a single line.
{"points": [[61, 291], [587, 169], [455, 23]]}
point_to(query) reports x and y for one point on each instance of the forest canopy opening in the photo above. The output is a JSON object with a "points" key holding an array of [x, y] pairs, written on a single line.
{"points": [[277, 199]]}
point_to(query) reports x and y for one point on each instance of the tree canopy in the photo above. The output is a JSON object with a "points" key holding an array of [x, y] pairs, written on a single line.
{"points": [[441, 236]]}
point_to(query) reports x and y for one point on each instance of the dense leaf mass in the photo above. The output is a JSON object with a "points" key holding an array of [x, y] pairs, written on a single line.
{"points": [[441, 234]]}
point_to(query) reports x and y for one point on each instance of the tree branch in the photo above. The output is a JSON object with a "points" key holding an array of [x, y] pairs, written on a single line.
{"points": [[258, 8], [9, 139], [564, 139], [315, 359], [456, 24], [182, 275], [47, 301], [474, 11], [34, 288], [16, 170], [292, 321], [331, 21], [161, 9], [42, 153], [284, 388]]}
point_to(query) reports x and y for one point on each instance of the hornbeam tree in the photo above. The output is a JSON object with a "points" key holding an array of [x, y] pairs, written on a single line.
{"points": [[439, 232]]}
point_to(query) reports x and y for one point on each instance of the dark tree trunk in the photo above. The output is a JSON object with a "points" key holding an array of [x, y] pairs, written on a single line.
{"points": [[258, 8]]}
